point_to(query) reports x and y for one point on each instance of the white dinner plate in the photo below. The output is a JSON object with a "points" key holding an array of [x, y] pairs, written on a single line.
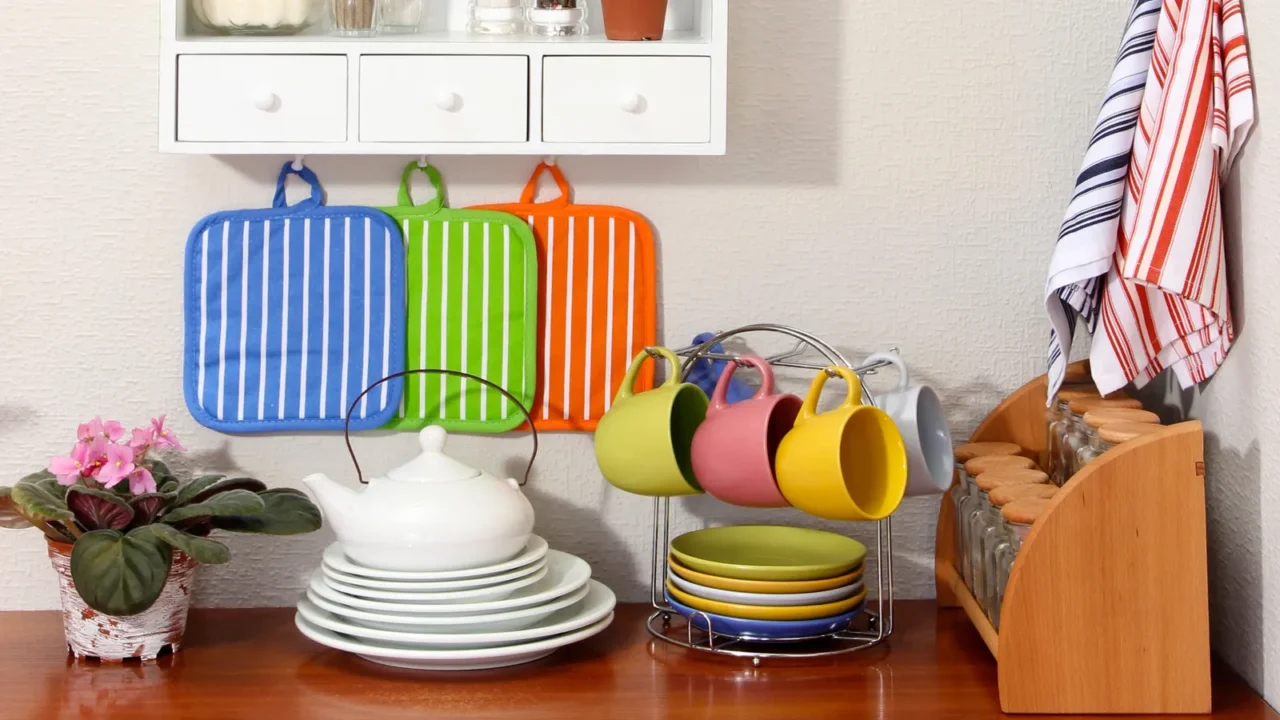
{"points": [[534, 549], [775, 599], [481, 594], [490, 622], [599, 602], [434, 586], [565, 573], [468, 659]]}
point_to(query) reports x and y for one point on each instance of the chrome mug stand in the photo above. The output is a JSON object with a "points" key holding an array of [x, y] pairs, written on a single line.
{"points": [[868, 629]]}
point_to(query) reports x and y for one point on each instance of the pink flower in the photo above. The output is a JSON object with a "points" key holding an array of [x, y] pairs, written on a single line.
{"points": [[96, 428], [141, 481], [70, 469], [143, 439], [117, 466], [165, 438]]}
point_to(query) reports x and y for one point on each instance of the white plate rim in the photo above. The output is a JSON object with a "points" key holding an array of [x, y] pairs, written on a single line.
{"points": [[442, 585], [576, 573], [818, 597], [551, 643], [426, 598], [535, 548], [587, 615], [447, 620]]}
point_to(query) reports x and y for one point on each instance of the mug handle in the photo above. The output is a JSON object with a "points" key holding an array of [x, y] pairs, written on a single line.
{"points": [[627, 388], [894, 359], [853, 399], [720, 399]]}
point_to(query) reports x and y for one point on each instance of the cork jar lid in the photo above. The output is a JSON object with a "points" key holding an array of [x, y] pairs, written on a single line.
{"points": [[1082, 406], [1098, 417], [987, 463], [1116, 433], [1071, 394], [989, 481], [969, 451], [1006, 494], [1025, 511]]}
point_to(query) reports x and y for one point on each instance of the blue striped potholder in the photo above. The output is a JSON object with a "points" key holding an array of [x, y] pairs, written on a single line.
{"points": [[292, 311]]}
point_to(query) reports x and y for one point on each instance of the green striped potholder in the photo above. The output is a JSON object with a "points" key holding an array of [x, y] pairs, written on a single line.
{"points": [[472, 306]]}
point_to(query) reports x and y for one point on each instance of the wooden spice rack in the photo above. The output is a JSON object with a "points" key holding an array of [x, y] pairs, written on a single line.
{"points": [[1107, 607]]}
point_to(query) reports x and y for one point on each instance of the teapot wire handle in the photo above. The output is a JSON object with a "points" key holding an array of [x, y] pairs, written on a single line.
{"points": [[346, 428]]}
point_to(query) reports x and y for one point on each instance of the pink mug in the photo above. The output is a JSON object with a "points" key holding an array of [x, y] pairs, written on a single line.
{"points": [[734, 447]]}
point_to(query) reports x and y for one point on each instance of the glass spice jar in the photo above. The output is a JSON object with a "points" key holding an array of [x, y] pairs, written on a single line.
{"points": [[1019, 516], [1058, 428], [556, 18], [1076, 436], [496, 17], [999, 497], [400, 16], [353, 18], [962, 492], [257, 17], [1112, 434], [983, 522], [1097, 417]]}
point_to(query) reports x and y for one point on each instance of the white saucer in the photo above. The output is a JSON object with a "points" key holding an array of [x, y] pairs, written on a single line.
{"points": [[480, 594], [769, 599], [534, 549], [565, 573], [434, 586], [490, 622], [598, 602], [470, 659]]}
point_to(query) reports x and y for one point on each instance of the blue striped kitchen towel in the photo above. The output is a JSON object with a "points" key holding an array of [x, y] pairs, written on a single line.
{"points": [[291, 312]]}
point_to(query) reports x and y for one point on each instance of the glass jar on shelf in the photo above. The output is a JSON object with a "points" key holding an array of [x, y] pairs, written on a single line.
{"points": [[257, 17], [1076, 435], [999, 498], [1059, 426], [556, 18], [1112, 434], [962, 492], [1098, 417], [1019, 516], [496, 17], [400, 16], [984, 522], [354, 18]]}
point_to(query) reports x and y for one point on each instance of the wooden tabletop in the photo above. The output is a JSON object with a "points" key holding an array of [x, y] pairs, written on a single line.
{"points": [[254, 664]]}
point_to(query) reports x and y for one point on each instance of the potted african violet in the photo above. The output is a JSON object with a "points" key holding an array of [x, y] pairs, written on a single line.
{"points": [[125, 534]]}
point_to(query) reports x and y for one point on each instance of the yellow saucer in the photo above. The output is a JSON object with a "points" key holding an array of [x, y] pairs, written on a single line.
{"points": [[764, 586], [766, 612]]}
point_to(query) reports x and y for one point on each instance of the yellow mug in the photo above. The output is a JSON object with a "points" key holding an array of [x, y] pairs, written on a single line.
{"points": [[644, 443], [849, 463]]}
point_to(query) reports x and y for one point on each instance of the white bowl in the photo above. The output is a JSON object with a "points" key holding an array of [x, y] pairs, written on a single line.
{"points": [[820, 597], [434, 586], [334, 558], [486, 623], [465, 659], [598, 602], [565, 573], [480, 594]]}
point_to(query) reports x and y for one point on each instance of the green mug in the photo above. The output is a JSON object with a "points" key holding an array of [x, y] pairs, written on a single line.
{"points": [[644, 443]]}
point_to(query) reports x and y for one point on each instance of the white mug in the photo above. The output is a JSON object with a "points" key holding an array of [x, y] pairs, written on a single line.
{"points": [[918, 413]]}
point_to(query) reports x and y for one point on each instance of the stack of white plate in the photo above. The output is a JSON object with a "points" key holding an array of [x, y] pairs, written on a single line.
{"points": [[514, 612]]}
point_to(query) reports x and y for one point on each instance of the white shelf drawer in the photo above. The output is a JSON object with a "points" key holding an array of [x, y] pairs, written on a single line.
{"points": [[626, 99], [262, 98], [444, 98]]}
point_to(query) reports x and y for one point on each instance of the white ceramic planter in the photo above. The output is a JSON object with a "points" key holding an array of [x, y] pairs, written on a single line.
{"points": [[143, 636]]}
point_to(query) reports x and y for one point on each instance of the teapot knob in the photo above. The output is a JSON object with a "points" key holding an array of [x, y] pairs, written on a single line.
{"points": [[432, 438]]}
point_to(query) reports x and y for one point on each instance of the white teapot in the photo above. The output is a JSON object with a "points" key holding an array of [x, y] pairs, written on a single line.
{"points": [[432, 513]]}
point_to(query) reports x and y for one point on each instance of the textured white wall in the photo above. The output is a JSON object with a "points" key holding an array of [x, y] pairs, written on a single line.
{"points": [[896, 175]]}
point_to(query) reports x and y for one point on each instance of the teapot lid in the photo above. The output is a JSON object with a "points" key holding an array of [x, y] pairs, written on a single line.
{"points": [[433, 465]]}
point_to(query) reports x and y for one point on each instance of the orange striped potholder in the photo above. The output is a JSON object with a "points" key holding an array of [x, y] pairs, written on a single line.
{"points": [[597, 302]]}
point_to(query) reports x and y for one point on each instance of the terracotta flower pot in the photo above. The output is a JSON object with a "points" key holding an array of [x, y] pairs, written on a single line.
{"points": [[143, 636], [634, 19]]}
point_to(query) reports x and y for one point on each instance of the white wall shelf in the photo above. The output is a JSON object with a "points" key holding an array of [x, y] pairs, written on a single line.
{"points": [[316, 94]]}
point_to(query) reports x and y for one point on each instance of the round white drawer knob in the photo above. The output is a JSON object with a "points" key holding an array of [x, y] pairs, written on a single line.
{"points": [[632, 102], [265, 100], [448, 101]]}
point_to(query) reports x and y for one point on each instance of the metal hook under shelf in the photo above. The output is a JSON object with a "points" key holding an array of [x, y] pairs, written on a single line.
{"points": [[298, 163]]}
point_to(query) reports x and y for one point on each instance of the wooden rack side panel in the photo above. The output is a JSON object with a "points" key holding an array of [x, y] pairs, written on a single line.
{"points": [[1107, 607]]}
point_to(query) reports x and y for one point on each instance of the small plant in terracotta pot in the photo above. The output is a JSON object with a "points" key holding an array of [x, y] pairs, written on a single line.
{"points": [[126, 534], [634, 19]]}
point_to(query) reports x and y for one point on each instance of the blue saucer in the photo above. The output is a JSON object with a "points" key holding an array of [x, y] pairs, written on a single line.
{"points": [[766, 629]]}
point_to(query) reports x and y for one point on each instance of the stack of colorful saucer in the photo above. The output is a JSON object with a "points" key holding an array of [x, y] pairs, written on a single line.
{"points": [[767, 582]]}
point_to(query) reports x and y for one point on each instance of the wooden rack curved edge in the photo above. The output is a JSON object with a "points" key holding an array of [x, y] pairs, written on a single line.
{"points": [[1106, 610]]}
